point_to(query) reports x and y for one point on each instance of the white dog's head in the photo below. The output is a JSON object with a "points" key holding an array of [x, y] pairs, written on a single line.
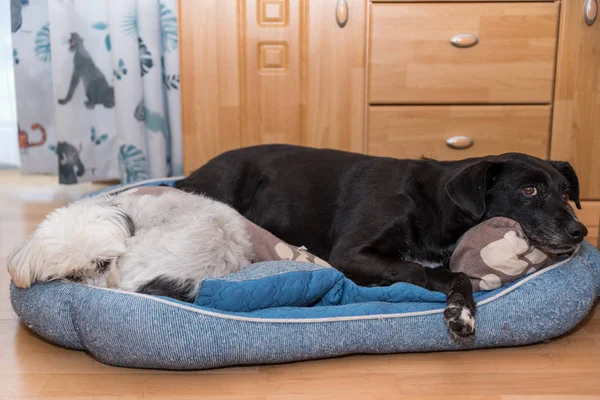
{"points": [[79, 241]]}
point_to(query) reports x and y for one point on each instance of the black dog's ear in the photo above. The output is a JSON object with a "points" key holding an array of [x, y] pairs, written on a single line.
{"points": [[468, 186], [568, 172]]}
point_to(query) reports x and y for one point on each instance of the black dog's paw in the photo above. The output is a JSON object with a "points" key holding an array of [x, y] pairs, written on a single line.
{"points": [[460, 317]]}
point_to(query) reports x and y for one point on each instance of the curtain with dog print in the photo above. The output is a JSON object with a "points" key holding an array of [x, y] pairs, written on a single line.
{"points": [[97, 86]]}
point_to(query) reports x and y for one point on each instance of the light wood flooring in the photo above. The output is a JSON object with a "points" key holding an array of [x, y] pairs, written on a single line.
{"points": [[31, 368]]}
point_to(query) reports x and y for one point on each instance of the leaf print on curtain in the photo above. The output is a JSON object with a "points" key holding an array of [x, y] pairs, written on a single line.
{"points": [[121, 69], [170, 78], [92, 63], [146, 61], [133, 164], [170, 81], [129, 24], [100, 26], [103, 26], [95, 138], [154, 101], [42, 44], [168, 27]]}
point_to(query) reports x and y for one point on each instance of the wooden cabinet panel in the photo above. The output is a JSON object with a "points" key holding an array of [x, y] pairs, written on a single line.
{"points": [[271, 71], [334, 85], [413, 61], [210, 79], [589, 215], [270, 44], [576, 120], [415, 131]]}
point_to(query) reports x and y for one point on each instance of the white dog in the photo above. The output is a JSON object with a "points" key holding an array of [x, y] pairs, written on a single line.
{"points": [[154, 241]]}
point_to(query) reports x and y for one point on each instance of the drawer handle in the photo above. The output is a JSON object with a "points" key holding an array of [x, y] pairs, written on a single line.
{"points": [[460, 142], [464, 40], [590, 11], [341, 13]]}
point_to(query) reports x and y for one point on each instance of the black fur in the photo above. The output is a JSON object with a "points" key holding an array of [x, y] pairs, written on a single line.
{"points": [[182, 290], [376, 219]]}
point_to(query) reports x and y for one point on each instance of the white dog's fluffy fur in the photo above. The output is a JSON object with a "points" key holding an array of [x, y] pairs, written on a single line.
{"points": [[165, 244]]}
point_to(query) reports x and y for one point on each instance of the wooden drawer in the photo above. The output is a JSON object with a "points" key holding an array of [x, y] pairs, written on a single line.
{"points": [[415, 131], [412, 61]]}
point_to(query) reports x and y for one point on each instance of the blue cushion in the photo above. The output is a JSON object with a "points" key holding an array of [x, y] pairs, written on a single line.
{"points": [[286, 311]]}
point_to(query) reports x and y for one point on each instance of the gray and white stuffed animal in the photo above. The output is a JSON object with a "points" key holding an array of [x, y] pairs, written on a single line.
{"points": [[495, 253]]}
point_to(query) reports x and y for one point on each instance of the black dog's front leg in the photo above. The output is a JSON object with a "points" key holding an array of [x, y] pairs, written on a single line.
{"points": [[372, 269], [460, 309]]}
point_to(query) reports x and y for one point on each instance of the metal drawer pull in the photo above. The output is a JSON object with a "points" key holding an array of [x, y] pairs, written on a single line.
{"points": [[459, 142], [590, 11], [341, 13], [464, 40]]}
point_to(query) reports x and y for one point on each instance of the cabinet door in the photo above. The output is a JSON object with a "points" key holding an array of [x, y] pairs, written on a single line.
{"points": [[576, 120], [271, 71]]}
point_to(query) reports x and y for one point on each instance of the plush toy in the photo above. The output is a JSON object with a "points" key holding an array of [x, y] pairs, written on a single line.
{"points": [[496, 252]]}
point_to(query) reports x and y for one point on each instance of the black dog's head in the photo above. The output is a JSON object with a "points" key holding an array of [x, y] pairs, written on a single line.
{"points": [[531, 191]]}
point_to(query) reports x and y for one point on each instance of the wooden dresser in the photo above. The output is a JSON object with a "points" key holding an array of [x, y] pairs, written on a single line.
{"points": [[440, 79]]}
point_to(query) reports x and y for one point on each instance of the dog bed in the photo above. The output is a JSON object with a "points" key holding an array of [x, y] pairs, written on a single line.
{"points": [[283, 311]]}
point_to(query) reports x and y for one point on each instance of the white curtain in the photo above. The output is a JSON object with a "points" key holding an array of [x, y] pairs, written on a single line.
{"points": [[97, 86]]}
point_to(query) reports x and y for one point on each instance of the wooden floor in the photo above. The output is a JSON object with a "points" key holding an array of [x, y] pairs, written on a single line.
{"points": [[31, 368]]}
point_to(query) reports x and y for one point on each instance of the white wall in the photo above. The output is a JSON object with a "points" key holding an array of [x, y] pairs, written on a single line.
{"points": [[9, 147]]}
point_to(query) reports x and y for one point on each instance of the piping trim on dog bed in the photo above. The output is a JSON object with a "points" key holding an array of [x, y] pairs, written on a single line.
{"points": [[333, 319]]}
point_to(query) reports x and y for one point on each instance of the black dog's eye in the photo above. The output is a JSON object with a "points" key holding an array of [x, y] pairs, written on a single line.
{"points": [[102, 265], [529, 191], [565, 197]]}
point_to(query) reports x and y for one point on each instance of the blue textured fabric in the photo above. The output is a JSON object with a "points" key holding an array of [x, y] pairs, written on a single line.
{"points": [[317, 288], [284, 311], [133, 330]]}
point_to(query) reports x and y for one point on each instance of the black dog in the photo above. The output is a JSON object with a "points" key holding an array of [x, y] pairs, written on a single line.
{"points": [[382, 220]]}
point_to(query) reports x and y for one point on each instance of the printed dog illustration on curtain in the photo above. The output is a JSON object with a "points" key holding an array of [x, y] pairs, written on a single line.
{"points": [[97, 89], [69, 163]]}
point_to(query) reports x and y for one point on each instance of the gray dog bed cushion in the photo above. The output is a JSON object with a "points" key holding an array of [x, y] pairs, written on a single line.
{"points": [[286, 311]]}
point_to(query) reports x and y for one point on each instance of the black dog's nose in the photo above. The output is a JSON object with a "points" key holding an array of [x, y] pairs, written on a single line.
{"points": [[576, 230]]}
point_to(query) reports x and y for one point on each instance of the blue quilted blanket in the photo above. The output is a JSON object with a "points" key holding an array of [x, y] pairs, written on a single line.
{"points": [[326, 291]]}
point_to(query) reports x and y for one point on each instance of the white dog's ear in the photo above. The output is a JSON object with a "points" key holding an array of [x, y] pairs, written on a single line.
{"points": [[20, 264]]}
